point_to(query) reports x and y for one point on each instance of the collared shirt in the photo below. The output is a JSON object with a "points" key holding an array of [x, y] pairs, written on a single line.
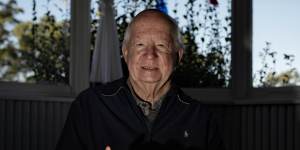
{"points": [[150, 111]]}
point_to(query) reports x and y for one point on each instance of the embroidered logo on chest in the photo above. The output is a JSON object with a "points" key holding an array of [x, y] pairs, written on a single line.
{"points": [[186, 134]]}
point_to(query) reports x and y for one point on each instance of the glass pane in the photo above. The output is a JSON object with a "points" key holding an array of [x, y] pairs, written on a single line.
{"points": [[34, 37], [276, 39], [206, 29]]}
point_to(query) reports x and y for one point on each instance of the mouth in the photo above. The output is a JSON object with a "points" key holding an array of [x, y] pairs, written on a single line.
{"points": [[149, 68]]}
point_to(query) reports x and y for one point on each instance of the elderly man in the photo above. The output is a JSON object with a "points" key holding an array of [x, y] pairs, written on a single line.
{"points": [[145, 111]]}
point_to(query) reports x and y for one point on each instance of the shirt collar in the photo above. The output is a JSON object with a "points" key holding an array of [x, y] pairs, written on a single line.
{"points": [[142, 102]]}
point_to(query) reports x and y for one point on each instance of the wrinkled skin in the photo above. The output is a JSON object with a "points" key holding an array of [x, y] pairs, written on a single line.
{"points": [[150, 55]]}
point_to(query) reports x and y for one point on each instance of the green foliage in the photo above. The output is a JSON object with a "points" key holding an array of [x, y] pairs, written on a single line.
{"points": [[267, 76], [41, 53], [8, 51], [46, 49], [209, 66], [286, 78]]}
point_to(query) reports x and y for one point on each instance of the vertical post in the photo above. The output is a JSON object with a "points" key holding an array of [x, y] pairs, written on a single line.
{"points": [[297, 127], [241, 48], [80, 45]]}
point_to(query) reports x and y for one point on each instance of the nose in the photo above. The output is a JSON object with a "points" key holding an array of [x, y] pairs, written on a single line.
{"points": [[151, 52]]}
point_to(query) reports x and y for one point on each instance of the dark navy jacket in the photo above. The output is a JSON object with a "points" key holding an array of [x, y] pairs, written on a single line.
{"points": [[108, 115]]}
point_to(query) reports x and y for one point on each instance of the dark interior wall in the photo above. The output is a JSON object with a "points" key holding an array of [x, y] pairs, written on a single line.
{"points": [[36, 125], [31, 125], [262, 127]]}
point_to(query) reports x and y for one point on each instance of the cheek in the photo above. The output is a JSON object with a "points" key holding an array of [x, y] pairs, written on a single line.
{"points": [[132, 61], [167, 65]]}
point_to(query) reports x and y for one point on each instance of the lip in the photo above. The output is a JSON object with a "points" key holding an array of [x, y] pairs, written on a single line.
{"points": [[149, 68]]}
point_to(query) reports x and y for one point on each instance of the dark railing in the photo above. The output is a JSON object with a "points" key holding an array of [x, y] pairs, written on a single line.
{"points": [[36, 125], [262, 127], [31, 125]]}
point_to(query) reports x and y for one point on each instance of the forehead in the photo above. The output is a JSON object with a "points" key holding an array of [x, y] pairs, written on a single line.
{"points": [[151, 23], [147, 25], [152, 34]]}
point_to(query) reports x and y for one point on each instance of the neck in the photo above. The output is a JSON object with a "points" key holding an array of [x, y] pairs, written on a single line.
{"points": [[150, 92]]}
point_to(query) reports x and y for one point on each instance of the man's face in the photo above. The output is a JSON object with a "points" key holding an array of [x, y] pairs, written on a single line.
{"points": [[150, 52]]}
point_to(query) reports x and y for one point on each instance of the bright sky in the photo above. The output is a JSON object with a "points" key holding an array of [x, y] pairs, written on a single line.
{"points": [[275, 21], [42, 7], [278, 22]]}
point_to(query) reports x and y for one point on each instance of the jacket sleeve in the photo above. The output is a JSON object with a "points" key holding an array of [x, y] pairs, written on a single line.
{"points": [[70, 138]]}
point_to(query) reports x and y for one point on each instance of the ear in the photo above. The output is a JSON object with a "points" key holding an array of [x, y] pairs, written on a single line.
{"points": [[180, 54], [125, 53]]}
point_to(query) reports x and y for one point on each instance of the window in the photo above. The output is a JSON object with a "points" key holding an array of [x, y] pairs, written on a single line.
{"points": [[242, 49], [276, 52], [52, 28], [35, 41], [206, 28], [239, 82]]}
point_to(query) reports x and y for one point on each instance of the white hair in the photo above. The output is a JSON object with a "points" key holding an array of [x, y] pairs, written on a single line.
{"points": [[176, 35]]}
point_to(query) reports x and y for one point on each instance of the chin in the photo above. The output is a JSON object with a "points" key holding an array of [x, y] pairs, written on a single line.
{"points": [[149, 79]]}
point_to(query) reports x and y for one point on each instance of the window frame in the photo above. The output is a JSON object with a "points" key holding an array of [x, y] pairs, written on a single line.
{"points": [[242, 72], [79, 71], [240, 92]]}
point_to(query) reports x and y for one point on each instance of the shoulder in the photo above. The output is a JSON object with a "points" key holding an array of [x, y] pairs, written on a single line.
{"points": [[200, 106], [98, 91], [182, 96], [111, 88]]}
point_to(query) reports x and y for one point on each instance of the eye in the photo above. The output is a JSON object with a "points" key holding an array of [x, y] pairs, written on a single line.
{"points": [[161, 45], [139, 44], [163, 48]]}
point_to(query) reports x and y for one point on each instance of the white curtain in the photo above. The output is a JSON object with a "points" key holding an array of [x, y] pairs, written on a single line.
{"points": [[106, 63]]}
